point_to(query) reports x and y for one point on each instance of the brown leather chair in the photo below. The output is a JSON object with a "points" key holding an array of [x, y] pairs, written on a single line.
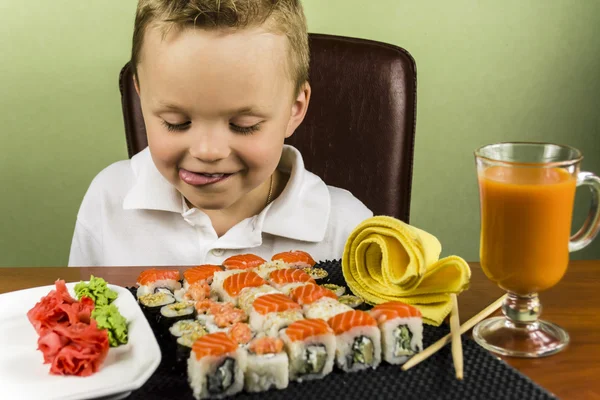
{"points": [[359, 131]]}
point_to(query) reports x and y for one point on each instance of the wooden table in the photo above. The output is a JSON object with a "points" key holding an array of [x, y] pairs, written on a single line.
{"points": [[574, 304]]}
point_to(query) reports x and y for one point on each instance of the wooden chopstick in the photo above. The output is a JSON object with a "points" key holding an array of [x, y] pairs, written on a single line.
{"points": [[428, 352], [457, 353]]}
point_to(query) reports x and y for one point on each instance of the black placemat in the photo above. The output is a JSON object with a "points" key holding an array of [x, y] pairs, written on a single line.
{"points": [[485, 376]]}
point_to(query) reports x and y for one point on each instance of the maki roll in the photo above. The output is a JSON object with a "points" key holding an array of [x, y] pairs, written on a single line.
{"points": [[183, 347], [401, 327], [267, 365], [358, 340], [152, 303], [217, 317], [310, 345], [337, 289], [273, 312], [173, 349], [216, 367], [151, 280], [174, 312]]}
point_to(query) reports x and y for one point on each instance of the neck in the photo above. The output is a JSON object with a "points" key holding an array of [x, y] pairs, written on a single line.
{"points": [[223, 220]]}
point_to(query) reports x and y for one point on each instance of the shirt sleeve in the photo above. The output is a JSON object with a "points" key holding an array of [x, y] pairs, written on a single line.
{"points": [[86, 248]]}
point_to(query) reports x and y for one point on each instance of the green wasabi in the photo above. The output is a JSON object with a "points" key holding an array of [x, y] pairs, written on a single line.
{"points": [[96, 290], [108, 317]]}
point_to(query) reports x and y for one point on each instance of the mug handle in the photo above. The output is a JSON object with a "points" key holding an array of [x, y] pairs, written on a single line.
{"points": [[591, 226]]}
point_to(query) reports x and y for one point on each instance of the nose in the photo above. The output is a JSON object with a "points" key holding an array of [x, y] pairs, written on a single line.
{"points": [[209, 145]]}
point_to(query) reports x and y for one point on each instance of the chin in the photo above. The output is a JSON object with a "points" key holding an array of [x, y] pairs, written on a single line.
{"points": [[209, 204]]}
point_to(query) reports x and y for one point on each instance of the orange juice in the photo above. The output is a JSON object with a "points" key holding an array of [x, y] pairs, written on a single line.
{"points": [[525, 226]]}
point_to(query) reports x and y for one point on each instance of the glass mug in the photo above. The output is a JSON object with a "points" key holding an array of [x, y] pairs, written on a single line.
{"points": [[527, 193]]}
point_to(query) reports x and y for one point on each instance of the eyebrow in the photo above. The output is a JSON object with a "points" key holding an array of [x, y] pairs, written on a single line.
{"points": [[170, 106], [238, 111]]}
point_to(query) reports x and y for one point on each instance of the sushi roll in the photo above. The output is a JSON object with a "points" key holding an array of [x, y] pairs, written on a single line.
{"points": [[201, 273], [265, 269], [174, 349], [186, 326], [233, 285], [248, 295], [216, 367], [310, 345], [217, 316], [219, 277], [401, 327], [351, 300], [273, 312], [240, 332], [358, 340], [152, 303], [174, 312], [286, 280], [151, 280], [317, 273], [337, 289], [318, 302], [243, 261], [183, 348], [267, 365], [296, 259]]}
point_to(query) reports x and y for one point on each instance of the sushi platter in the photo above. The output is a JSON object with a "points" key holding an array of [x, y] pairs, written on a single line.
{"points": [[278, 330], [247, 329]]}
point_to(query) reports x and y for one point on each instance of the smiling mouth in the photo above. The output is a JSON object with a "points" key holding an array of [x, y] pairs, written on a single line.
{"points": [[200, 178]]}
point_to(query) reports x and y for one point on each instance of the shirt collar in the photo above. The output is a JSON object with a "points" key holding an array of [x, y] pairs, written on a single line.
{"points": [[301, 211], [151, 191]]}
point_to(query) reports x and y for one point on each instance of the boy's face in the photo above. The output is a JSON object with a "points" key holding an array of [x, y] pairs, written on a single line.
{"points": [[217, 107]]}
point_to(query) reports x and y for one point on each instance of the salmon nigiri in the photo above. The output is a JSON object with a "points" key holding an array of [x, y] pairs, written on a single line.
{"points": [[310, 344], [310, 293], [272, 312], [216, 366], [243, 261], [317, 301], [401, 327], [153, 279], [288, 279], [297, 258], [234, 284], [200, 273], [358, 340]]}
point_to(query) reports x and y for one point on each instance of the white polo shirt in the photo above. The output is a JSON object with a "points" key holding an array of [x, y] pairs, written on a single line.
{"points": [[131, 215]]}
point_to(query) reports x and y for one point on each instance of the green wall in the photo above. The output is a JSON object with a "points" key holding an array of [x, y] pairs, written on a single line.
{"points": [[488, 71]]}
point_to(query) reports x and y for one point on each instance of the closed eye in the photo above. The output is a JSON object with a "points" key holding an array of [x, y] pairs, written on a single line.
{"points": [[244, 130], [177, 127]]}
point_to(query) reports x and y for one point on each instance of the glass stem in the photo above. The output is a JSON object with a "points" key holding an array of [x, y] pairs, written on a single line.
{"points": [[522, 310]]}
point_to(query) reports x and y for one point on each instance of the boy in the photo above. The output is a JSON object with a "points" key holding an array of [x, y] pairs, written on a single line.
{"points": [[221, 84]]}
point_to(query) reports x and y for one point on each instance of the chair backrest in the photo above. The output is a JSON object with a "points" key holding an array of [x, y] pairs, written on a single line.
{"points": [[359, 131]]}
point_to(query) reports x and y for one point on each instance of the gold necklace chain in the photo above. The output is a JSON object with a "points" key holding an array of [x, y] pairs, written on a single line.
{"points": [[270, 190]]}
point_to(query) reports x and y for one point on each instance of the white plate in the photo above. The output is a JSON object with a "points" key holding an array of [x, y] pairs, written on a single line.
{"points": [[23, 374]]}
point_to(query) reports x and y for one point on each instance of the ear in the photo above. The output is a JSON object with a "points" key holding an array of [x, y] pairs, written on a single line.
{"points": [[299, 108], [135, 83]]}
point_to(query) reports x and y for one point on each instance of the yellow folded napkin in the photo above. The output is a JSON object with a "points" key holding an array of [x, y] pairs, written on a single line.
{"points": [[386, 259]]}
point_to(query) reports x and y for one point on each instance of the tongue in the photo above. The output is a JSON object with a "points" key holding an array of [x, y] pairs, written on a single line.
{"points": [[193, 178]]}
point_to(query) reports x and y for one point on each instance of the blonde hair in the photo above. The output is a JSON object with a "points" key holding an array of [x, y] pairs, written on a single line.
{"points": [[285, 17]]}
